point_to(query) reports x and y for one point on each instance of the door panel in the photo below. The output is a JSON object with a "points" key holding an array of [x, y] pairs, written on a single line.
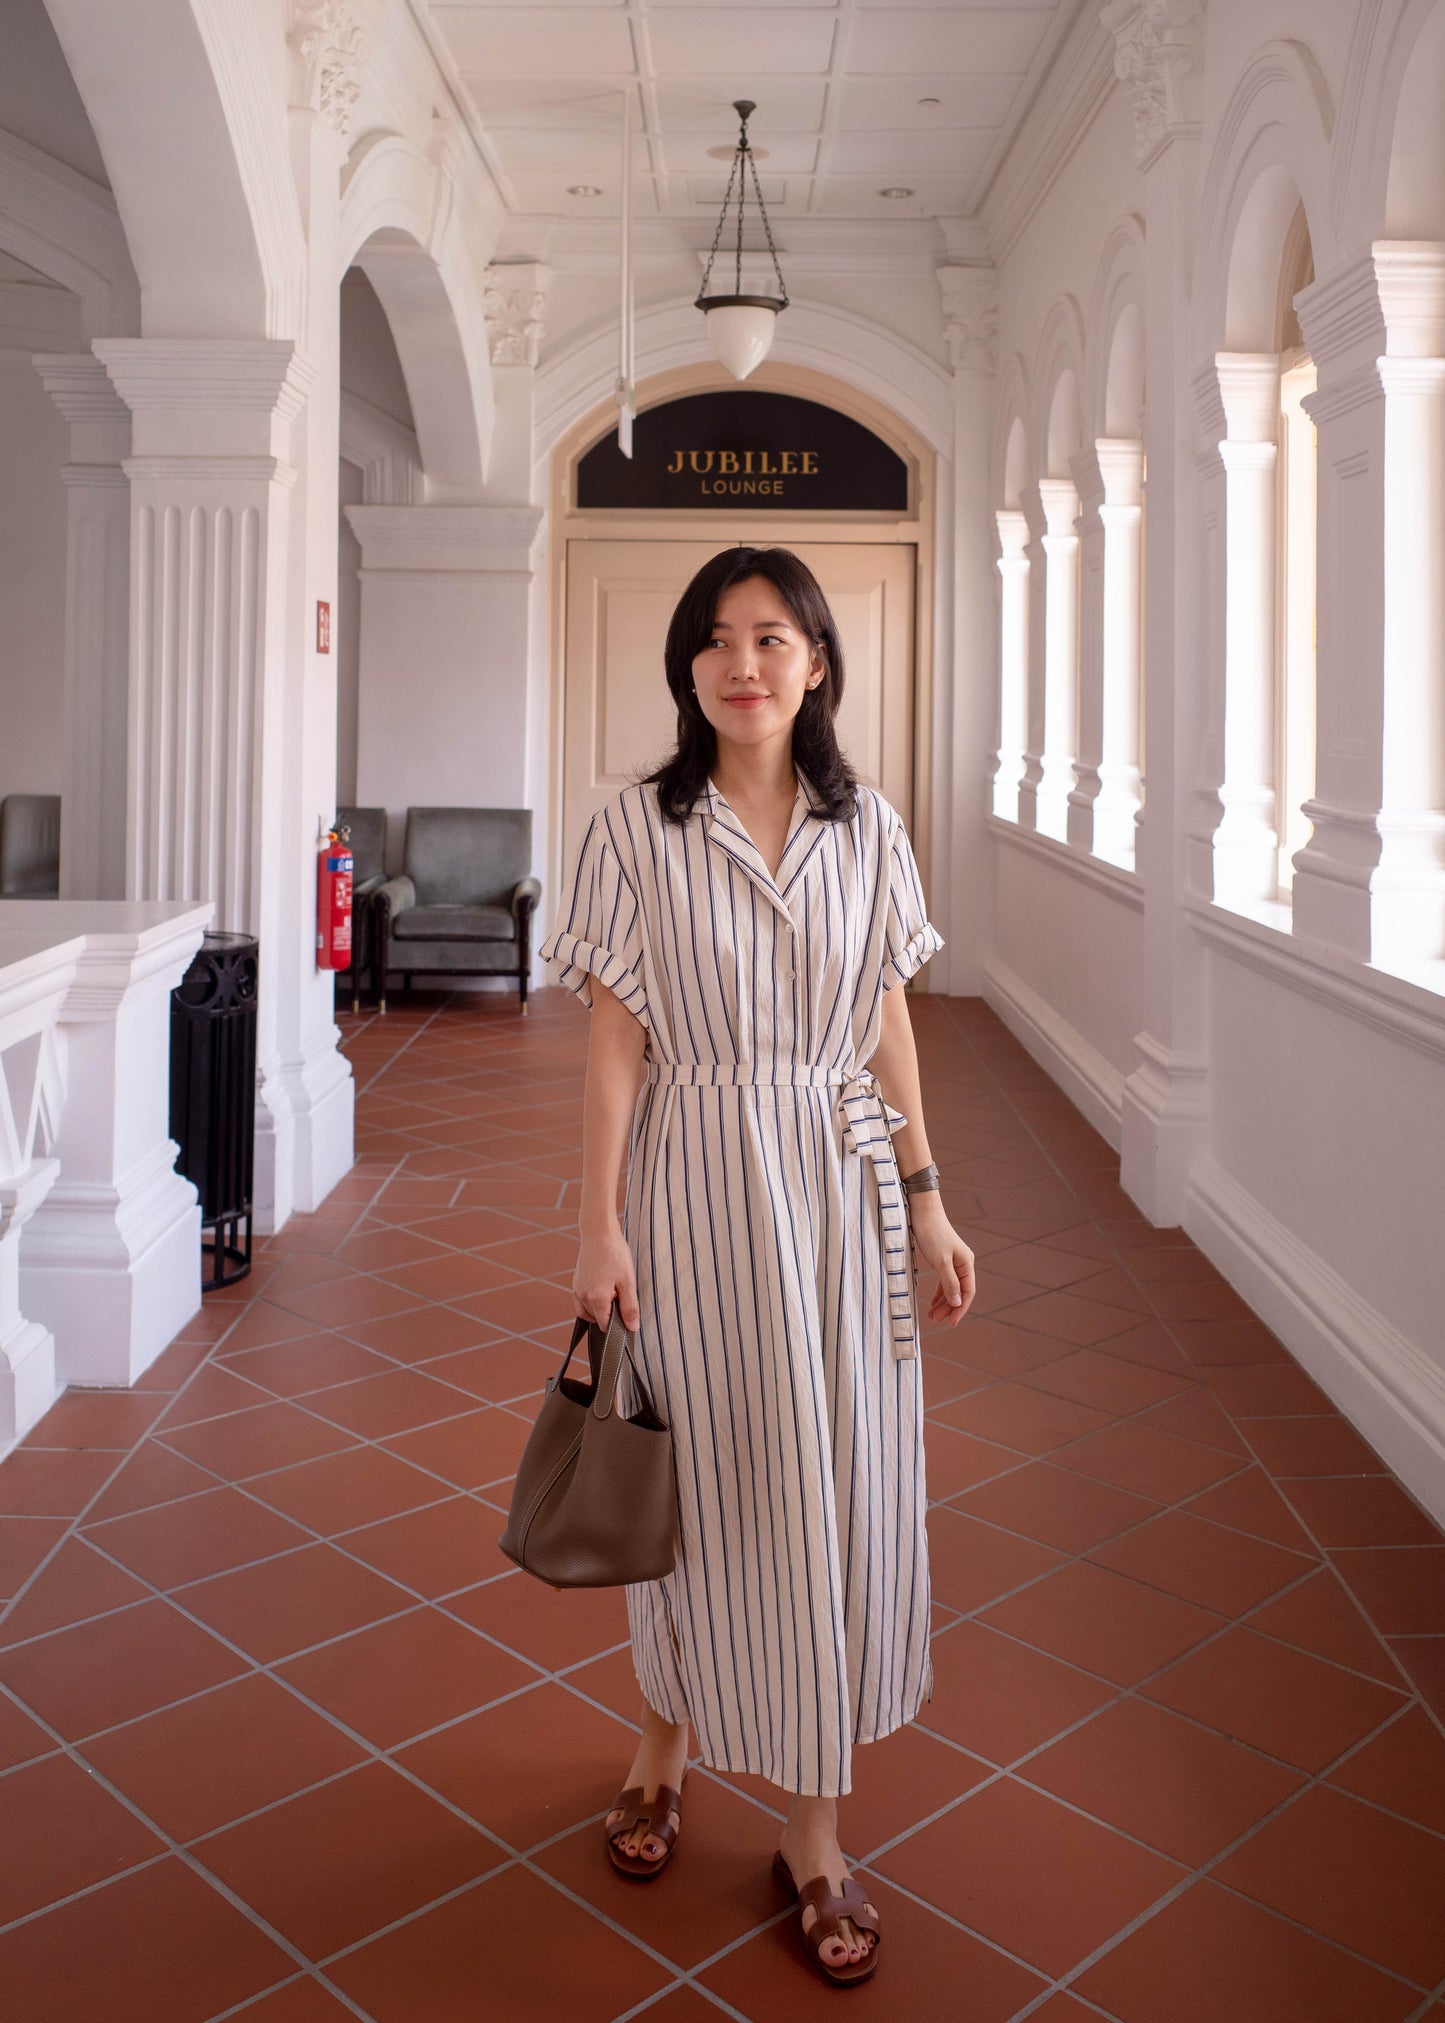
{"points": [[619, 717]]}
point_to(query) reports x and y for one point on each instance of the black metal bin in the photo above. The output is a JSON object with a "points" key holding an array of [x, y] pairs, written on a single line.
{"points": [[213, 1095]]}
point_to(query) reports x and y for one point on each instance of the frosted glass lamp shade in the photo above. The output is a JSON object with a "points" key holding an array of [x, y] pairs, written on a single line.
{"points": [[740, 329]]}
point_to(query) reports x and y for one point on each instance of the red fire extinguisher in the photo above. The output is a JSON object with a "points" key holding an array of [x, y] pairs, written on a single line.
{"points": [[333, 900]]}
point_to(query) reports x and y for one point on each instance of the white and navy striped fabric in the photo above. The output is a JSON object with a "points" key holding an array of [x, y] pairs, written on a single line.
{"points": [[779, 1309]]}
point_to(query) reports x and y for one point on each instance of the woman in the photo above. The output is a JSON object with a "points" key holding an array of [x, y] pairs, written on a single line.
{"points": [[737, 922]]}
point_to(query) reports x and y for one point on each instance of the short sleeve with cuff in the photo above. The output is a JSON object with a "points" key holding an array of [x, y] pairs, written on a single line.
{"points": [[911, 937], [600, 929]]}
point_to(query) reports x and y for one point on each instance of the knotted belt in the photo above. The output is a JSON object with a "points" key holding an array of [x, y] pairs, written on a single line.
{"points": [[868, 1126]]}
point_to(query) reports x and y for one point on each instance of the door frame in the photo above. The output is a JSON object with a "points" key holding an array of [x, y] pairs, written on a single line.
{"points": [[914, 527]]}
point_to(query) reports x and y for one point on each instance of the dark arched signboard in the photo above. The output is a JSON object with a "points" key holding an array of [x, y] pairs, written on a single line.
{"points": [[744, 452]]}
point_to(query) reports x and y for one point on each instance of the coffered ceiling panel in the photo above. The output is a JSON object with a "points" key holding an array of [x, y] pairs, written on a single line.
{"points": [[854, 98]]}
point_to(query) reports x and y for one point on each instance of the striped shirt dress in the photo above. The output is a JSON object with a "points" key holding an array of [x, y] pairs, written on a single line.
{"points": [[779, 1307]]}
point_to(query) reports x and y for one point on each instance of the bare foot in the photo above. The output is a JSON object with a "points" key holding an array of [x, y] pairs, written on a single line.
{"points": [[661, 1759], [810, 1848]]}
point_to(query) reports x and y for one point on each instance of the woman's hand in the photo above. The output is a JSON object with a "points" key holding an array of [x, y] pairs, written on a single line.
{"points": [[939, 1243], [605, 1270]]}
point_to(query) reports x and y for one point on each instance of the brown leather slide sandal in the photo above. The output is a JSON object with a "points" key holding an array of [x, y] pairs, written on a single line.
{"points": [[658, 1821], [853, 1904]]}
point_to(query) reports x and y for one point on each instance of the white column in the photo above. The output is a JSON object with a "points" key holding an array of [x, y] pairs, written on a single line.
{"points": [[1407, 913], [1245, 843], [34, 979], [1371, 879], [962, 703], [1032, 507], [460, 578], [312, 1077], [1088, 482], [1060, 503], [210, 663], [1163, 1126], [1013, 569], [97, 619], [111, 1262], [1116, 795]]}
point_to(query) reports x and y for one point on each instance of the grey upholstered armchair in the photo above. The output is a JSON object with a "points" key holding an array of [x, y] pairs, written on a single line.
{"points": [[463, 904], [367, 831], [30, 846]]}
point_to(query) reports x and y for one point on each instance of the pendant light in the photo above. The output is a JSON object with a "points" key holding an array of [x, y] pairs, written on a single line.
{"points": [[740, 327]]}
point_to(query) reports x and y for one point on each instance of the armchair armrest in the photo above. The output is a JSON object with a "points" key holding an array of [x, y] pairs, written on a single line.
{"points": [[525, 896], [397, 895], [364, 888]]}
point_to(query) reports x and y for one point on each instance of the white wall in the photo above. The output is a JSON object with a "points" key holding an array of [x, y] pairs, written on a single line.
{"points": [[347, 636], [33, 317]]}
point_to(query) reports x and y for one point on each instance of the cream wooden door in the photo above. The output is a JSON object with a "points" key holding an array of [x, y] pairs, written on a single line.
{"points": [[619, 717]]}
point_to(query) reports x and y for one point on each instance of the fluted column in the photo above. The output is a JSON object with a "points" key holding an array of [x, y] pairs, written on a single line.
{"points": [[1371, 878], [97, 603], [211, 477], [1060, 502], [1246, 844], [1013, 569]]}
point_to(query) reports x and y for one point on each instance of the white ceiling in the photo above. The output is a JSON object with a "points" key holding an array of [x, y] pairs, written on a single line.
{"points": [[839, 86]]}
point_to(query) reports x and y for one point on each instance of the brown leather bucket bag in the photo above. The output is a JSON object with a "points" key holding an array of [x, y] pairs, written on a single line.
{"points": [[595, 1499]]}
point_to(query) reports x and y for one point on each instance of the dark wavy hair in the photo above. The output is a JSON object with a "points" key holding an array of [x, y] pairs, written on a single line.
{"points": [[816, 751]]}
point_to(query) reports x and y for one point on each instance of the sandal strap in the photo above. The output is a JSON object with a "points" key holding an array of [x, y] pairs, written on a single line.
{"points": [[830, 1910], [635, 1813]]}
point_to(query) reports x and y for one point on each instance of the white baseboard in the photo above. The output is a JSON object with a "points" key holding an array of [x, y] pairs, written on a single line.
{"points": [[1384, 1383], [1092, 1083]]}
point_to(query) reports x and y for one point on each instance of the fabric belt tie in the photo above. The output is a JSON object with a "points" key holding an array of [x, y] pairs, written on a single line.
{"points": [[868, 1126]]}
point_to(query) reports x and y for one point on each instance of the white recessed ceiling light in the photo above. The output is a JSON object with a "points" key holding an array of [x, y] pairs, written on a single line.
{"points": [[895, 190], [583, 190]]}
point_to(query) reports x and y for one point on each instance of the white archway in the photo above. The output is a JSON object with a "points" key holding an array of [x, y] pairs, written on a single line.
{"points": [[68, 229], [205, 193], [410, 246], [1114, 339], [1271, 155], [835, 342]]}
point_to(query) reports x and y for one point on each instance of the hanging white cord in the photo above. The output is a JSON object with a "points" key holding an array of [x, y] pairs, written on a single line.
{"points": [[626, 399]]}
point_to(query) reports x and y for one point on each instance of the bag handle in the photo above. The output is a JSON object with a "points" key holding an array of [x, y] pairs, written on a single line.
{"points": [[604, 1354]]}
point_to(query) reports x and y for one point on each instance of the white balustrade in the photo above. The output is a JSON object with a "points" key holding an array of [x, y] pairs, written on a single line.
{"points": [[100, 1262]]}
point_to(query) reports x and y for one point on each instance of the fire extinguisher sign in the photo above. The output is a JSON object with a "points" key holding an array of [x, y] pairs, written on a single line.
{"points": [[333, 901], [323, 627]]}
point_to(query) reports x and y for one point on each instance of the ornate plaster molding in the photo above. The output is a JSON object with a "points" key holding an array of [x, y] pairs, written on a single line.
{"points": [[1158, 55], [970, 316], [329, 41], [514, 301]]}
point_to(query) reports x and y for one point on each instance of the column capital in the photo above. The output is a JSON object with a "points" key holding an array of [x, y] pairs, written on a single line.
{"points": [[1059, 500], [514, 301], [208, 397], [1248, 383], [1158, 55], [474, 540], [328, 41], [1013, 533], [1109, 472], [970, 316], [1388, 299], [99, 419]]}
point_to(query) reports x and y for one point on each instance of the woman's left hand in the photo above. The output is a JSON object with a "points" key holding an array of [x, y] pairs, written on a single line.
{"points": [[939, 1244]]}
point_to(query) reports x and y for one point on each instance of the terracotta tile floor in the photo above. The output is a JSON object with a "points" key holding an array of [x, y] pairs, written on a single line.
{"points": [[283, 1737]]}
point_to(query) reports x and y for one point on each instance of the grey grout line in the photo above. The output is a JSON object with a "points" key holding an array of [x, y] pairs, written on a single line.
{"points": [[215, 1348]]}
